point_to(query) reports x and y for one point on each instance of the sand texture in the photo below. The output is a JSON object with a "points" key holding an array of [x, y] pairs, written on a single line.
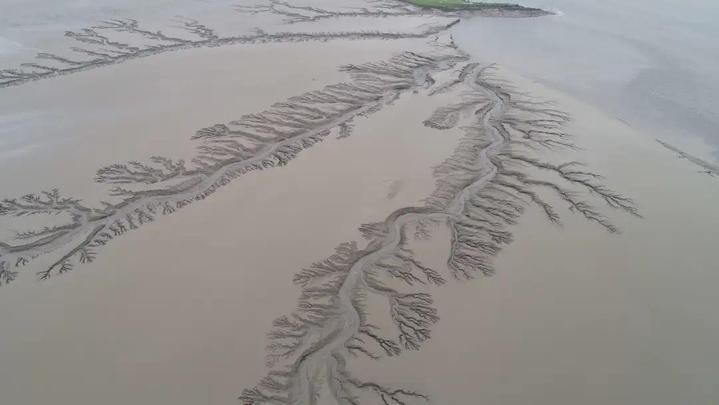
{"points": [[334, 203]]}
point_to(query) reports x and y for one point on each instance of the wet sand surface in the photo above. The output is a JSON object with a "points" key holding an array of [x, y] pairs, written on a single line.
{"points": [[651, 64], [104, 123], [578, 316], [179, 310], [147, 324], [151, 324]]}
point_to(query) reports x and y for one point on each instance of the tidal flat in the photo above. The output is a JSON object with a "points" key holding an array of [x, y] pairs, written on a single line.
{"points": [[335, 202]]}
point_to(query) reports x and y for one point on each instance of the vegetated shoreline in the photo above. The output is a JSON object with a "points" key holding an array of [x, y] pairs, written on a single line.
{"points": [[493, 9]]}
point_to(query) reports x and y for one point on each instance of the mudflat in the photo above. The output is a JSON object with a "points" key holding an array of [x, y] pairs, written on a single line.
{"points": [[335, 203]]}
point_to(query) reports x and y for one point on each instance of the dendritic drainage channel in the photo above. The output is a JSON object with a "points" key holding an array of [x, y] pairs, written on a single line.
{"points": [[161, 185], [481, 191], [293, 13], [107, 43]]}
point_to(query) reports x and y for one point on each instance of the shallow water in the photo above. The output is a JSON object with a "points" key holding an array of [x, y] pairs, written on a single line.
{"points": [[177, 314], [653, 64]]}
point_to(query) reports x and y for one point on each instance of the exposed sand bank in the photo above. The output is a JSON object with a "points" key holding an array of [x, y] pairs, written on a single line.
{"points": [[432, 144], [91, 120], [146, 312], [575, 315]]}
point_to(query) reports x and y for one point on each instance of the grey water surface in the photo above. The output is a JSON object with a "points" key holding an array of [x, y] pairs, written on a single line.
{"points": [[653, 64]]}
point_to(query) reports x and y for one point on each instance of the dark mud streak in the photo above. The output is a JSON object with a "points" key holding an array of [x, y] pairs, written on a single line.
{"points": [[124, 53], [482, 190], [485, 9], [705, 167], [161, 186], [97, 43], [293, 13]]}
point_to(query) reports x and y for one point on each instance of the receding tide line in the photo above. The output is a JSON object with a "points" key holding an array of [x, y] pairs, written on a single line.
{"points": [[706, 167]]}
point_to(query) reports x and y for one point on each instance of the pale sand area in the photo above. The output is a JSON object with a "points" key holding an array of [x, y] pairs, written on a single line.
{"points": [[577, 315], [177, 312], [78, 123]]}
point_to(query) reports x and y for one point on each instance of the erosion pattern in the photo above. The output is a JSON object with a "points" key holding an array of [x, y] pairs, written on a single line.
{"points": [[120, 40], [500, 167], [294, 13], [482, 189], [162, 185]]}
